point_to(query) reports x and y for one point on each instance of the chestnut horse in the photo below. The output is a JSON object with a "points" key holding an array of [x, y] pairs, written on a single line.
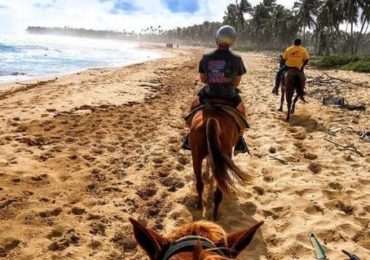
{"points": [[201, 240], [213, 134], [293, 82]]}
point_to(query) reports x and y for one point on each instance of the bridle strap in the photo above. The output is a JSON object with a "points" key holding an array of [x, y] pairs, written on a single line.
{"points": [[187, 244]]}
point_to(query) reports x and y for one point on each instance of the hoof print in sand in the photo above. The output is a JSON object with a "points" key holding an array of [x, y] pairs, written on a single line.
{"points": [[314, 167]]}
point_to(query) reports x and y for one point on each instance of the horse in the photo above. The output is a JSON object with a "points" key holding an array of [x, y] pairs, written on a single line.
{"points": [[200, 240], [293, 82], [213, 134]]}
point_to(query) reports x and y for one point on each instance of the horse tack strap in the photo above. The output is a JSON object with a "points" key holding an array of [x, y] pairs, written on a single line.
{"points": [[187, 244], [238, 117]]}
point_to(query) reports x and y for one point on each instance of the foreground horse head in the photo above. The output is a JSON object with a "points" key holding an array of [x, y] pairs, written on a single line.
{"points": [[293, 83], [199, 240]]}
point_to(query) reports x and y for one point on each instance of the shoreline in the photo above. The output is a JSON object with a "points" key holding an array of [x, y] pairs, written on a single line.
{"points": [[151, 51], [13, 85]]}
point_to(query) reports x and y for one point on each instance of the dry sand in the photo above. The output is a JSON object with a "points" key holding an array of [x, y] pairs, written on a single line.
{"points": [[80, 155]]}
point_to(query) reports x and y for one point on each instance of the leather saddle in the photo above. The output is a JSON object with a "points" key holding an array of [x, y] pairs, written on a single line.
{"points": [[223, 105]]}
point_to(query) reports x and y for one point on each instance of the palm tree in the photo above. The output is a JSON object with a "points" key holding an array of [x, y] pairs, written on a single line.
{"points": [[306, 10], [365, 18], [241, 8], [350, 10]]}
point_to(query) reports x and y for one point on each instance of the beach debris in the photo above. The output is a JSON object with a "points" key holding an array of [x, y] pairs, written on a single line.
{"points": [[325, 78], [319, 249], [283, 161], [348, 146], [350, 255], [342, 103], [365, 135]]}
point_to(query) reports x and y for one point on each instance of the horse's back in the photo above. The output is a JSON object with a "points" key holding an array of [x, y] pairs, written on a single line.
{"points": [[227, 126]]}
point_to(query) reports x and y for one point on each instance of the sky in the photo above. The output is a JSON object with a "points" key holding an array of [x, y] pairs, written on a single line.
{"points": [[131, 15]]}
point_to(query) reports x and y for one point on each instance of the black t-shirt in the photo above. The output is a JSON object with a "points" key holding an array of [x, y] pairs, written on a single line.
{"points": [[221, 68]]}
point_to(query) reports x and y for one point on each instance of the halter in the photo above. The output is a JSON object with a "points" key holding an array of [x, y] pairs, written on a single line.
{"points": [[187, 244]]}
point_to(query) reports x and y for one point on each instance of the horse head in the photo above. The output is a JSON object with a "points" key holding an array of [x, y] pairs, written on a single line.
{"points": [[199, 240]]}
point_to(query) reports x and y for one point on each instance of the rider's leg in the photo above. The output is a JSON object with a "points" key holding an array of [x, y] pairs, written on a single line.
{"points": [[241, 145], [279, 74]]}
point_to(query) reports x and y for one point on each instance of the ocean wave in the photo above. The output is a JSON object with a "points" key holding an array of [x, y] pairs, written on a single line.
{"points": [[8, 48]]}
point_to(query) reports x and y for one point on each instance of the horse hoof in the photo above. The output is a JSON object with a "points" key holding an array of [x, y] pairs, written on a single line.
{"points": [[280, 109]]}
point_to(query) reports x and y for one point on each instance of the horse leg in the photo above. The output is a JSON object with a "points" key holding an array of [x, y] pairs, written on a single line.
{"points": [[282, 99], [197, 167], [217, 198], [289, 105], [294, 102]]}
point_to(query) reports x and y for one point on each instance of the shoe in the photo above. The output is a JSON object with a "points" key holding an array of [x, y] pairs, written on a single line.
{"points": [[185, 143], [241, 147], [275, 91]]}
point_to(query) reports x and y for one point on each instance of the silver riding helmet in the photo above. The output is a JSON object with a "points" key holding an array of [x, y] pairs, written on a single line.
{"points": [[226, 35]]}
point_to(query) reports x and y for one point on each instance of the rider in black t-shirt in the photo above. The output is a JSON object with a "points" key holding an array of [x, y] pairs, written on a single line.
{"points": [[221, 72]]}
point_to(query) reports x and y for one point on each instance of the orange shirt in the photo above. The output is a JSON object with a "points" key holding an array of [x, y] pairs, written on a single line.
{"points": [[295, 56]]}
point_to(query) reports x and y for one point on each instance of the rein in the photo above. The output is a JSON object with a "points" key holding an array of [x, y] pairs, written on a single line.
{"points": [[187, 244]]}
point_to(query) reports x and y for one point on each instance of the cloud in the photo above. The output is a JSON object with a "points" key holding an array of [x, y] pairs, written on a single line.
{"points": [[119, 15]]}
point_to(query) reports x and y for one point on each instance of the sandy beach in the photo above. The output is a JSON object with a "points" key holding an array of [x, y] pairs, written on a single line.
{"points": [[82, 154]]}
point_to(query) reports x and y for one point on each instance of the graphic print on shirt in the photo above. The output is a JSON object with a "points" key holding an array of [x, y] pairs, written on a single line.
{"points": [[216, 72]]}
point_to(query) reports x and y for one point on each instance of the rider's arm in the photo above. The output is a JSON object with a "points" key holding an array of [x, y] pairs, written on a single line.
{"points": [[203, 77], [304, 64]]}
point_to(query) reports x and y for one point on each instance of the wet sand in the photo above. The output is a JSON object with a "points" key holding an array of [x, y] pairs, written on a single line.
{"points": [[80, 155]]}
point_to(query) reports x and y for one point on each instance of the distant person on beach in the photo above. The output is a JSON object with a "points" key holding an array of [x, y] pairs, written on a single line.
{"points": [[295, 57], [221, 71]]}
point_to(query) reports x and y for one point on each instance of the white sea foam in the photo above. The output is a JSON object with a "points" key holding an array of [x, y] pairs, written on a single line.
{"points": [[29, 56]]}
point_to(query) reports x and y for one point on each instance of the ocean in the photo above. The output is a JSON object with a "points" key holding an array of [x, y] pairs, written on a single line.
{"points": [[28, 56]]}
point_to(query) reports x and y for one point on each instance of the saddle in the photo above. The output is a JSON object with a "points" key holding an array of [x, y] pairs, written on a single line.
{"points": [[222, 105]]}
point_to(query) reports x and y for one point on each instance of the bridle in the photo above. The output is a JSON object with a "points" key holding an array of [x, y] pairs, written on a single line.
{"points": [[187, 244]]}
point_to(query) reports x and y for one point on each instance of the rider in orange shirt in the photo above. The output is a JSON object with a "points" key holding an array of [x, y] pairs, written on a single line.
{"points": [[294, 57]]}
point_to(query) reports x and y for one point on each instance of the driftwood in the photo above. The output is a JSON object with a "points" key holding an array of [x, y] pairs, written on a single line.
{"points": [[279, 159], [25, 86], [325, 78], [348, 146]]}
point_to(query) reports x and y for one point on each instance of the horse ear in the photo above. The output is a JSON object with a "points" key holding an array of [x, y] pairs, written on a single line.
{"points": [[149, 240], [238, 241]]}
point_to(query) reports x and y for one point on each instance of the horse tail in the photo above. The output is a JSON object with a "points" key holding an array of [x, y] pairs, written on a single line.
{"points": [[297, 84], [219, 161]]}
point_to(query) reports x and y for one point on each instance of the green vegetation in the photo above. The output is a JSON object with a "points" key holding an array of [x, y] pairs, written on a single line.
{"points": [[359, 66], [346, 62]]}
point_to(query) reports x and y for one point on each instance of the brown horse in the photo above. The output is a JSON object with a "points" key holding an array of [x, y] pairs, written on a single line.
{"points": [[213, 134], [293, 82], [199, 240]]}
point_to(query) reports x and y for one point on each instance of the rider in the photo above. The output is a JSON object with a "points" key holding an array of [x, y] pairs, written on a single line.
{"points": [[294, 57], [221, 72]]}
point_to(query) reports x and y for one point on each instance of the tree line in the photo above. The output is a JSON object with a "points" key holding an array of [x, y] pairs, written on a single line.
{"points": [[326, 27]]}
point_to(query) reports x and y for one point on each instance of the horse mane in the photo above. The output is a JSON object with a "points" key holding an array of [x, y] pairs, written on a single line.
{"points": [[206, 229]]}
